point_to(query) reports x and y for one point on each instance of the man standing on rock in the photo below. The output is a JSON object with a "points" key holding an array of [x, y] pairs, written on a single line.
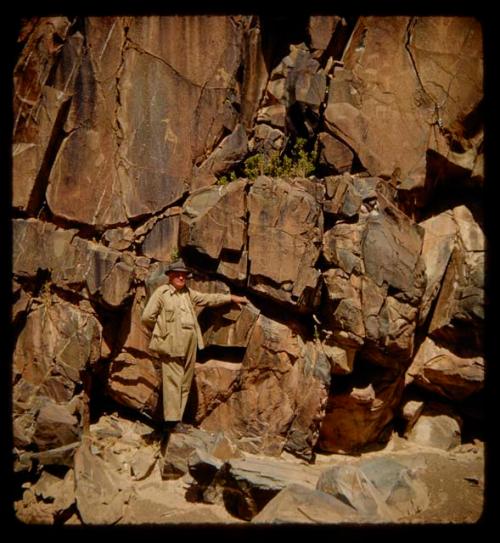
{"points": [[176, 336]]}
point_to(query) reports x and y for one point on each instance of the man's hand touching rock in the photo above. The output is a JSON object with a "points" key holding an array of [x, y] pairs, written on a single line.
{"points": [[239, 299]]}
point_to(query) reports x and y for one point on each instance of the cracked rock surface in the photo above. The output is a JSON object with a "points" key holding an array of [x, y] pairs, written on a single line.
{"points": [[137, 140]]}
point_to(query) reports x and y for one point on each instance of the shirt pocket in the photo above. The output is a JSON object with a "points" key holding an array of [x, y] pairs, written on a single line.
{"points": [[169, 315]]}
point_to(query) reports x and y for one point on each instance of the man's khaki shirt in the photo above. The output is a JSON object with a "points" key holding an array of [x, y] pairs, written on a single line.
{"points": [[171, 314]]}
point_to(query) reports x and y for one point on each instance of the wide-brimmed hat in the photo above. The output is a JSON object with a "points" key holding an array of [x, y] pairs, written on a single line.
{"points": [[177, 266]]}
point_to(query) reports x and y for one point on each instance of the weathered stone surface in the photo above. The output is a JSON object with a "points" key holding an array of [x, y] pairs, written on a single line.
{"points": [[341, 358], [100, 493], [459, 311], [31, 159], [21, 302], [228, 154], [381, 489], [342, 247], [162, 241], [344, 200], [270, 410], [297, 78], [135, 381], [134, 337], [376, 279], [57, 345], [181, 445], [410, 411], [321, 29], [439, 239], [335, 153], [84, 157], [358, 416], [215, 381], [213, 221], [256, 73], [115, 130], [60, 492], [299, 504], [55, 427], [86, 267], [389, 121], [285, 229], [60, 456], [107, 119], [247, 485], [230, 327], [344, 309], [39, 109], [436, 429], [392, 245], [456, 86], [440, 370]]}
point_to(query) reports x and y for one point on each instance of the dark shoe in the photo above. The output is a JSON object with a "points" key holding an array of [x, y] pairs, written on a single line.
{"points": [[167, 429]]}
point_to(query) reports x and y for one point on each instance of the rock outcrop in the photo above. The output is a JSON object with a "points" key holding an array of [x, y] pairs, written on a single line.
{"points": [[362, 251]]}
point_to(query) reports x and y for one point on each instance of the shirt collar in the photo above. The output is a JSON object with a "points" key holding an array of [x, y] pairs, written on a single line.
{"points": [[173, 290]]}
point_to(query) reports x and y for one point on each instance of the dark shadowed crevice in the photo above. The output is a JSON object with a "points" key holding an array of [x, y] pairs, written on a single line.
{"points": [[278, 32], [37, 199]]}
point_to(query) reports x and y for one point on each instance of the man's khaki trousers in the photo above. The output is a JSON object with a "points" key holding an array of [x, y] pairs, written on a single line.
{"points": [[177, 376]]}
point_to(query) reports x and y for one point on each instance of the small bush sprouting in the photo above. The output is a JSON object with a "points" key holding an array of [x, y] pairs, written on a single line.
{"points": [[298, 163]]}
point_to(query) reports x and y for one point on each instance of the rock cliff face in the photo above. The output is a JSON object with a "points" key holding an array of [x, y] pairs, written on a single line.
{"points": [[366, 277]]}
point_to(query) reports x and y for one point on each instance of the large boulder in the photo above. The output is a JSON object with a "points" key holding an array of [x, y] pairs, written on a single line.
{"points": [[76, 264], [376, 276], [391, 121], [39, 109], [270, 411], [380, 489], [135, 382], [458, 317], [440, 234], [438, 369], [53, 352], [120, 131], [213, 225], [284, 236]]}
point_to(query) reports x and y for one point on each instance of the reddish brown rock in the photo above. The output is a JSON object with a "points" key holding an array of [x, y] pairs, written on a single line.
{"points": [[213, 222], [440, 370], [89, 268], [343, 200], [134, 336], [285, 229], [135, 381], [321, 29], [54, 349], [231, 327], [459, 311], [162, 240], [109, 128], [440, 233], [269, 411], [390, 121], [358, 416], [335, 153], [39, 109], [101, 494], [436, 427], [55, 427], [215, 381], [226, 156], [392, 244]]}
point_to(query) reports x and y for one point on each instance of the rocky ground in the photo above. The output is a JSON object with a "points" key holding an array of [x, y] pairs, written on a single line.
{"points": [[119, 478]]}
